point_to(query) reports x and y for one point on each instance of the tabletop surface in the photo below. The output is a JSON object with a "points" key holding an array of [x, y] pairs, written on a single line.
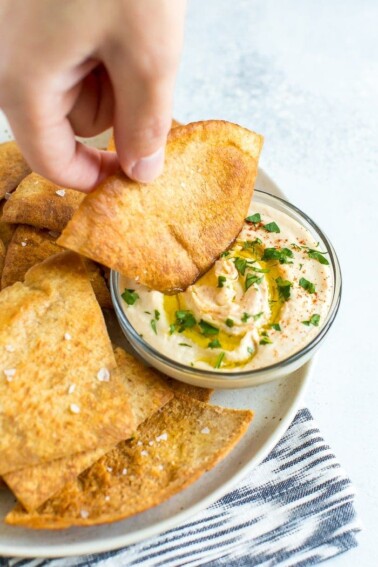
{"points": [[305, 75]]}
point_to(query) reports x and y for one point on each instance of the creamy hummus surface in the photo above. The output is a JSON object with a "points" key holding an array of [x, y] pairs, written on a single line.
{"points": [[263, 300]]}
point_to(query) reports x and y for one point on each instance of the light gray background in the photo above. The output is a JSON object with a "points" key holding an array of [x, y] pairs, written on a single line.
{"points": [[305, 74]]}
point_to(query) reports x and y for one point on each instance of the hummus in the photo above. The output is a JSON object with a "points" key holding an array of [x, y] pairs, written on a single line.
{"points": [[263, 300]]}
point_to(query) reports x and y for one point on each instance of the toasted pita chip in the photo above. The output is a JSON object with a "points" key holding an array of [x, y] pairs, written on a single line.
{"points": [[30, 246], [53, 339], [172, 449], [98, 282], [6, 229], [147, 393], [41, 203], [167, 233], [13, 167], [202, 394]]}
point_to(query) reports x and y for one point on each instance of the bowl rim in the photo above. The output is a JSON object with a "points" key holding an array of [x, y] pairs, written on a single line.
{"points": [[243, 375]]}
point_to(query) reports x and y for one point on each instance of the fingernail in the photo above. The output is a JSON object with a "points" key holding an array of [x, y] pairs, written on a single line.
{"points": [[149, 167]]}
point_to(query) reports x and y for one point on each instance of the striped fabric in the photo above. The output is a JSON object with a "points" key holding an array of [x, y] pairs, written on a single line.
{"points": [[295, 509]]}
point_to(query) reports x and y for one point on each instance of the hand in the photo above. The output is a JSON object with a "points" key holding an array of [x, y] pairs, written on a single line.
{"points": [[75, 67]]}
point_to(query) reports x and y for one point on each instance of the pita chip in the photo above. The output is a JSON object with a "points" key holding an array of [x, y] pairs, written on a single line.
{"points": [[13, 167], [58, 392], [147, 393], [169, 232], [196, 392], [170, 451], [41, 203], [30, 246]]}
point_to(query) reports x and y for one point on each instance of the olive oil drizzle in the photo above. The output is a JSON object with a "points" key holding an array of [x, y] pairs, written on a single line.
{"points": [[271, 271]]}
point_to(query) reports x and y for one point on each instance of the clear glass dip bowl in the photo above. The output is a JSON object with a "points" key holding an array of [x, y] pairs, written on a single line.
{"points": [[239, 378]]}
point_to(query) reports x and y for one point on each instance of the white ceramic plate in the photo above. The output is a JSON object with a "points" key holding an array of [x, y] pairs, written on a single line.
{"points": [[274, 404]]}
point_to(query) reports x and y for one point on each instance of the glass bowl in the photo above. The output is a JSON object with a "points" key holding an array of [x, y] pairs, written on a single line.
{"points": [[239, 378]]}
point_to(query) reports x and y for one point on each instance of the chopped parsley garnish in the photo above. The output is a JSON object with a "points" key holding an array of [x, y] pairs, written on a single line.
{"points": [[276, 326], [130, 296], [229, 323], [185, 344], [172, 328], [319, 256], [307, 285], [225, 253], [300, 266], [153, 326], [157, 314], [283, 288], [208, 329], [258, 315], [260, 270], [314, 320], [250, 350], [245, 317], [315, 254], [277, 254], [148, 312], [185, 320], [272, 227], [214, 344], [265, 341], [240, 265], [254, 218], [219, 360], [252, 279], [221, 280], [251, 244]]}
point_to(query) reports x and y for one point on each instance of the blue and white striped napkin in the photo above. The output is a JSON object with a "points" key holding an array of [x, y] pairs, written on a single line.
{"points": [[296, 508]]}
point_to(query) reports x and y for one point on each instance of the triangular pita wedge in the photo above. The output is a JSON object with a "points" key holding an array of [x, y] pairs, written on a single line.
{"points": [[41, 203], [147, 393], [6, 229], [59, 394], [167, 233], [13, 167], [30, 246], [171, 450]]}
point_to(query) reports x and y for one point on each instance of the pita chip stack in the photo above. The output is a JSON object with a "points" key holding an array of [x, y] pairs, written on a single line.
{"points": [[170, 451], [169, 232], [58, 389]]}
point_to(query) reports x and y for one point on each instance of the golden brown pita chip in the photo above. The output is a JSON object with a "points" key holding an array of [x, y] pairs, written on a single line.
{"points": [[147, 393], [13, 167], [30, 246], [202, 394], [98, 282], [167, 233], [41, 203], [6, 229], [172, 449], [59, 394]]}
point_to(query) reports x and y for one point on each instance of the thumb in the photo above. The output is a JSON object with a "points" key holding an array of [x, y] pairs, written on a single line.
{"points": [[142, 120]]}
